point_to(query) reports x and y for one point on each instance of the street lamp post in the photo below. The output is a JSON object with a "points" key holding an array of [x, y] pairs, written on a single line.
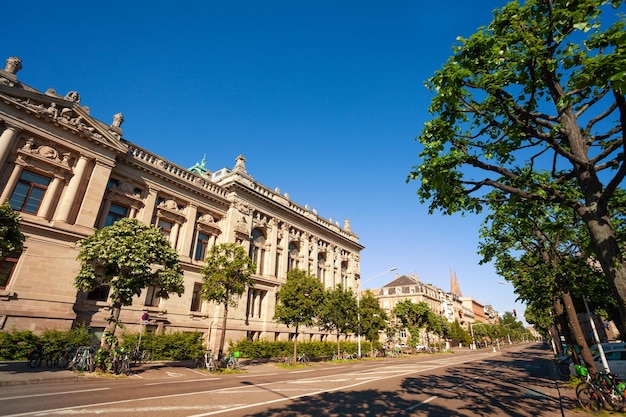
{"points": [[358, 306]]}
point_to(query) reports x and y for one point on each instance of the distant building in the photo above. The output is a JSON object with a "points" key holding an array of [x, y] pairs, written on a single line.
{"points": [[68, 173], [451, 306]]}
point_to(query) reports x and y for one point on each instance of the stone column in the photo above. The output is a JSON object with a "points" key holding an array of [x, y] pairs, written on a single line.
{"points": [[273, 242], [49, 198], [94, 194], [15, 176], [187, 233], [174, 235], [305, 248], [69, 198], [6, 141], [106, 206], [148, 208], [282, 269]]}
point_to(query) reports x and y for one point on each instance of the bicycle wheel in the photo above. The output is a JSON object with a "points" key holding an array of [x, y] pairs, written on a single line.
{"points": [[126, 366], [35, 361], [230, 363], [210, 365], [116, 366], [589, 397], [90, 364], [305, 359], [564, 370]]}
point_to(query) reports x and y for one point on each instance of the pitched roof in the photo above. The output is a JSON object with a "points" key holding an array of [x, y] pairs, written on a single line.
{"points": [[400, 281]]}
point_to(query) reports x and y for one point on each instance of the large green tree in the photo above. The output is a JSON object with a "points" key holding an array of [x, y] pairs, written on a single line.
{"points": [[11, 237], [338, 312], [127, 256], [298, 304], [413, 316], [542, 250], [374, 319], [226, 275], [528, 104]]}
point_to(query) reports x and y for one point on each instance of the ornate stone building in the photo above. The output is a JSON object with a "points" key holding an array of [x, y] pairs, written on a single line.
{"points": [[68, 173]]}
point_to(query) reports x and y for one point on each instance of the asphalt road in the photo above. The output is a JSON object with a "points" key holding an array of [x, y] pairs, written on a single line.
{"points": [[516, 381]]}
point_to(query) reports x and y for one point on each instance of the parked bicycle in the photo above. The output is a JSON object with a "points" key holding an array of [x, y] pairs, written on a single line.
{"points": [[594, 394], [302, 359], [121, 362], [35, 357], [140, 356], [232, 361], [66, 357], [83, 360], [206, 361]]}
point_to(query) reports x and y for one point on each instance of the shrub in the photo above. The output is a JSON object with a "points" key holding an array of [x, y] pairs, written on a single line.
{"points": [[168, 346], [265, 349], [15, 345]]}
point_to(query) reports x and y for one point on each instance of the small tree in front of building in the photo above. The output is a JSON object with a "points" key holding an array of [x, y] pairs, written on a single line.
{"points": [[11, 238], [226, 275], [338, 312], [127, 256], [299, 301], [413, 316], [374, 319]]}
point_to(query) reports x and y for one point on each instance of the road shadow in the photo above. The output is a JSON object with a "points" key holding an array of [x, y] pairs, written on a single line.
{"points": [[517, 384]]}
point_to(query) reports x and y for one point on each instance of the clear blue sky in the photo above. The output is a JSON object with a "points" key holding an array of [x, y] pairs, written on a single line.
{"points": [[323, 98]]}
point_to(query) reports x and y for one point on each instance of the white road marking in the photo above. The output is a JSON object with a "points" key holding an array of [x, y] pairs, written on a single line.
{"points": [[256, 375], [183, 382], [54, 393], [413, 407]]}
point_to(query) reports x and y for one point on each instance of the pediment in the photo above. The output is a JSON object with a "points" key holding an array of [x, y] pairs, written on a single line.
{"points": [[65, 112]]}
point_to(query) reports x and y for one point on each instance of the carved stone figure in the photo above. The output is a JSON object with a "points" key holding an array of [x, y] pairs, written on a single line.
{"points": [[73, 96], [47, 152], [118, 119], [13, 65], [52, 111], [206, 218]]}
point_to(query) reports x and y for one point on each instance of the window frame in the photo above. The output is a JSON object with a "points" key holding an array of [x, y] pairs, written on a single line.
{"points": [[28, 199]]}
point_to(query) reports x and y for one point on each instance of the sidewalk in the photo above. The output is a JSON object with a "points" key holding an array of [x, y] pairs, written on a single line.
{"points": [[16, 373], [19, 373]]}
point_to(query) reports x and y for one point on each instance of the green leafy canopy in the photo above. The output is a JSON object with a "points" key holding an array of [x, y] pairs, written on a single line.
{"points": [[129, 256]]}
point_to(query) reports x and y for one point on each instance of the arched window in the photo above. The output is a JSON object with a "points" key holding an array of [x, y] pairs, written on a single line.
{"points": [[321, 268], [294, 252], [257, 249]]}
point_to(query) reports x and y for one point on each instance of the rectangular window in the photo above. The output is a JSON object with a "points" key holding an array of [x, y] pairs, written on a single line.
{"points": [[7, 266], [29, 192], [196, 297], [166, 227], [151, 299], [202, 244], [99, 294], [115, 213]]}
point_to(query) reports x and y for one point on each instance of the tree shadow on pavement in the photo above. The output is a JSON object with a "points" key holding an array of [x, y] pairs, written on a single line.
{"points": [[492, 387]]}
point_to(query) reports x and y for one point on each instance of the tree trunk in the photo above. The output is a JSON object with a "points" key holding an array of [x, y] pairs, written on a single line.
{"points": [[577, 332], [338, 344], [595, 211], [116, 309], [295, 345], [563, 327], [220, 353], [609, 256]]}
